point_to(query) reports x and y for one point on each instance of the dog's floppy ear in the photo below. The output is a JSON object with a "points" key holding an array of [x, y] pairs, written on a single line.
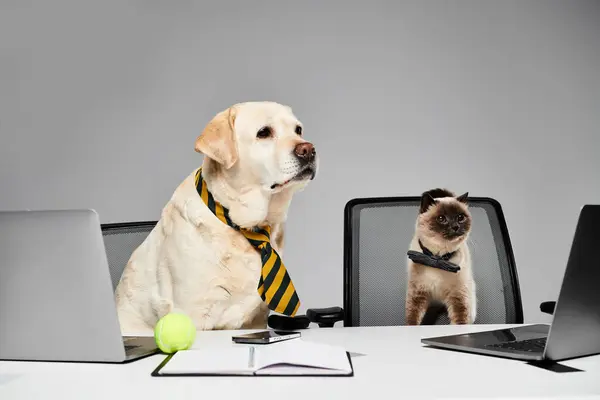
{"points": [[217, 141]]}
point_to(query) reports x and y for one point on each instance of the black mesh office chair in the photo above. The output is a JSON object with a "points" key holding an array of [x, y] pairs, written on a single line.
{"points": [[377, 232], [120, 240]]}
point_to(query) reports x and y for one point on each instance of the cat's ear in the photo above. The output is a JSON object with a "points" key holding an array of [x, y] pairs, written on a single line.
{"points": [[463, 198], [426, 201]]}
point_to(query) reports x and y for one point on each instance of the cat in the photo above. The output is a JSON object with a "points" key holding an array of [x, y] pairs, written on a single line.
{"points": [[443, 226]]}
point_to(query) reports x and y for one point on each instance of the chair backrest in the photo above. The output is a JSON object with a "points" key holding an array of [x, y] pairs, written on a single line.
{"points": [[120, 240], [377, 233]]}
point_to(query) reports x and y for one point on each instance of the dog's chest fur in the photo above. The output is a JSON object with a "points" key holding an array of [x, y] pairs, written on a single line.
{"points": [[193, 263]]}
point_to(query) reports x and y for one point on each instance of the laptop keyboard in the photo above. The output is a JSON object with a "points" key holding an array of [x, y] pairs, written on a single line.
{"points": [[530, 345]]}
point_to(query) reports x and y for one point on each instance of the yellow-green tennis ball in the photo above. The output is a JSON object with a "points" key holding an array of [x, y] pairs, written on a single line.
{"points": [[174, 332]]}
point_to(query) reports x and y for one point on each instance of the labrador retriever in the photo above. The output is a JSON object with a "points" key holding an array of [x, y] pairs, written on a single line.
{"points": [[255, 159]]}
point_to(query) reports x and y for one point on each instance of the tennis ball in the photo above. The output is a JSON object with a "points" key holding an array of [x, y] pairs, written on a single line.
{"points": [[174, 332]]}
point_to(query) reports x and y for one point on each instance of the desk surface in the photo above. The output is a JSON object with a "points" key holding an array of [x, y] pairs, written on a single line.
{"points": [[394, 361]]}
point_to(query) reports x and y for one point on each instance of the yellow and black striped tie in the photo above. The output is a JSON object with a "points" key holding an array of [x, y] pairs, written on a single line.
{"points": [[275, 286]]}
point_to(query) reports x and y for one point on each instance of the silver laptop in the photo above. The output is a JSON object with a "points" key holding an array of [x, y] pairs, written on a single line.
{"points": [[575, 328], [56, 294]]}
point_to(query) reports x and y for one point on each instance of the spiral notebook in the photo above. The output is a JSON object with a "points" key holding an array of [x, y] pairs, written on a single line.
{"points": [[291, 358]]}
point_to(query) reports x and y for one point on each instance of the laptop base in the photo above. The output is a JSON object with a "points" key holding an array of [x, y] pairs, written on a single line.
{"points": [[524, 343], [139, 347], [136, 348]]}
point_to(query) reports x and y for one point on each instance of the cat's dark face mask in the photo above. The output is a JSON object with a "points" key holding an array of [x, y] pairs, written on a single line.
{"points": [[450, 221]]}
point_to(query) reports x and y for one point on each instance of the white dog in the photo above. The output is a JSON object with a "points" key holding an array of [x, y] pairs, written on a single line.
{"points": [[255, 159]]}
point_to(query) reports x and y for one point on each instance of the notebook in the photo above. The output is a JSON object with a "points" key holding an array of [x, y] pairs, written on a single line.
{"points": [[293, 358]]}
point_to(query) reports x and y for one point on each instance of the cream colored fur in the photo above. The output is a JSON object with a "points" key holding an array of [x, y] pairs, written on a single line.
{"points": [[441, 286], [192, 262]]}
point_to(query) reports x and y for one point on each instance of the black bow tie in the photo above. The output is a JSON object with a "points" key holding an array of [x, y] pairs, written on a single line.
{"points": [[432, 260]]}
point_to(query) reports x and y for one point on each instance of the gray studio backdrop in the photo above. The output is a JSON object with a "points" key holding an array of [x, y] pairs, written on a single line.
{"points": [[100, 103]]}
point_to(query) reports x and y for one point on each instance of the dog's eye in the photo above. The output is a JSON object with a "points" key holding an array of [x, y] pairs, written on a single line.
{"points": [[441, 219], [298, 130], [461, 218], [264, 133]]}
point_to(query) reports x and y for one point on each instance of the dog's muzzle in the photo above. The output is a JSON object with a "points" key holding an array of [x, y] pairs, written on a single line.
{"points": [[306, 154]]}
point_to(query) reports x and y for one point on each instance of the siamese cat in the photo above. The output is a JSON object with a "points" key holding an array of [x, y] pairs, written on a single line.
{"points": [[442, 228]]}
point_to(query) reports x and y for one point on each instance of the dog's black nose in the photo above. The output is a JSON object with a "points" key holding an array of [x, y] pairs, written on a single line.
{"points": [[305, 151], [455, 228]]}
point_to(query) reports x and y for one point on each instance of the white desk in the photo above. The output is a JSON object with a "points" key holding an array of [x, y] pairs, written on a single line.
{"points": [[394, 362]]}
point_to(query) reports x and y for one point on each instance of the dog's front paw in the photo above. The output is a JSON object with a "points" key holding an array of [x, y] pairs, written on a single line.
{"points": [[163, 307]]}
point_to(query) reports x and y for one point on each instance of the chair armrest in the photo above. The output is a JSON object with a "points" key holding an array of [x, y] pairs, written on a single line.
{"points": [[325, 317], [547, 307], [285, 323]]}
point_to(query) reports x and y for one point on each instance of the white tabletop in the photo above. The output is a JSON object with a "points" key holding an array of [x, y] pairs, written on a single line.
{"points": [[394, 363]]}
